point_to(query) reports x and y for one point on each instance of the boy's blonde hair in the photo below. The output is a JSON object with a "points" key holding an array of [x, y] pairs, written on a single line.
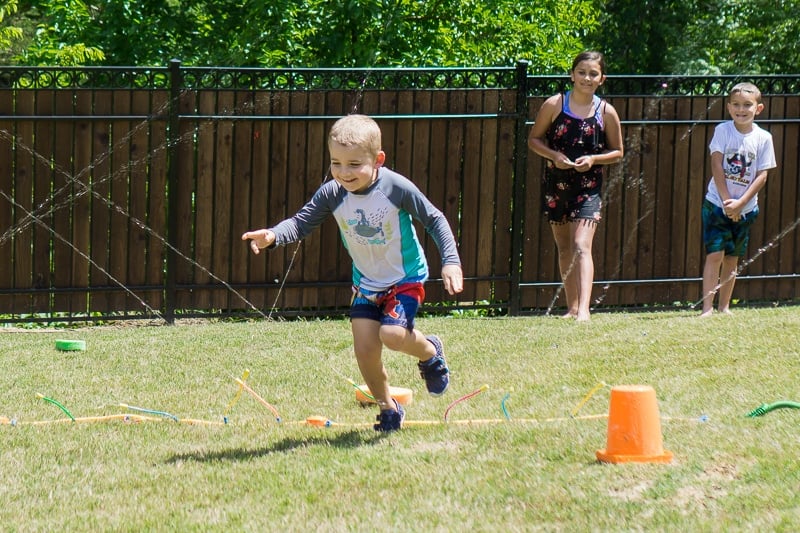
{"points": [[746, 87], [358, 130]]}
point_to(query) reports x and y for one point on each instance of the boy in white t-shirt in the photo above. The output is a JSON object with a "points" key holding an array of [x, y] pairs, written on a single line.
{"points": [[741, 155]]}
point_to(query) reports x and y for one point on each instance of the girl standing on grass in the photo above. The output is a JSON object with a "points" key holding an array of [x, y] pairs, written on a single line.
{"points": [[577, 132]]}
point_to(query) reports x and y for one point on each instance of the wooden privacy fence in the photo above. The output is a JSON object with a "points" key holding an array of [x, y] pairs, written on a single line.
{"points": [[125, 190]]}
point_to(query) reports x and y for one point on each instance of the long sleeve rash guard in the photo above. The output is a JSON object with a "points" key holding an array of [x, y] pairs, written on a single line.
{"points": [[376, 228]]}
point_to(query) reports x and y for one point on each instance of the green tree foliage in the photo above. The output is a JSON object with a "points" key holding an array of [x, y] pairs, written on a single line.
{"points": [[8, 33], [637, 36], [742, 37], [313, 33], [69, 18], [699, 36]]}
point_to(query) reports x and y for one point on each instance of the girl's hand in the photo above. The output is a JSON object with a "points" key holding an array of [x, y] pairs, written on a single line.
{"points": [[259, 239], [563, 162], [584, 163]]}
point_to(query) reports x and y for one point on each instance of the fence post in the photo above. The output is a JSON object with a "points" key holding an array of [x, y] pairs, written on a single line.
{"points": [[520, 177], [172, 187]]}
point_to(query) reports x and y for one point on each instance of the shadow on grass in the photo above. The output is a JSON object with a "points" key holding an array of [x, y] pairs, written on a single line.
{"points": [[349, 439]]}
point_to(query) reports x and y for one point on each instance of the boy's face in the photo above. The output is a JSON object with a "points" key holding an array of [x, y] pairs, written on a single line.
{"points": [[743, 108], [353, 166]]}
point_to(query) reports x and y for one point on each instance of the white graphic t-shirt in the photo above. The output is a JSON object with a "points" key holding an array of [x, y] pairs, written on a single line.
{"points": [[743, 157]]}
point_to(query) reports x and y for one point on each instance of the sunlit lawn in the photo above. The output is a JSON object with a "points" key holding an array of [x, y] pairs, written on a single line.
{"points": [[530, 467]]}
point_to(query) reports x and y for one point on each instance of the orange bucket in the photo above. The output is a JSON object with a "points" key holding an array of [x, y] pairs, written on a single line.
{"points": [[634, 427], [402, 395]]}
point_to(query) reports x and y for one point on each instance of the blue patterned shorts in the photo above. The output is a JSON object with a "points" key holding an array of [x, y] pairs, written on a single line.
{"points": [[395, 307], [721, 234]]}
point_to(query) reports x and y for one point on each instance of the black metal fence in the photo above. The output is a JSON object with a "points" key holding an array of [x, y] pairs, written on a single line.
{"points": [[125, 190]]}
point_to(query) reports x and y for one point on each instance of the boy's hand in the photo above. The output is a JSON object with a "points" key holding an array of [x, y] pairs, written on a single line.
{"points": [[259, 239], [453, 279], [733, 209]]}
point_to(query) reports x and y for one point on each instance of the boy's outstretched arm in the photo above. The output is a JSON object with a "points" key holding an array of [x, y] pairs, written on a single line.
{"points": [[453, 279], [261, 238]]}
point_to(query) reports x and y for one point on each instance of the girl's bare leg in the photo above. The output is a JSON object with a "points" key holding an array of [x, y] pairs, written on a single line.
{"points": [[562, 234]]}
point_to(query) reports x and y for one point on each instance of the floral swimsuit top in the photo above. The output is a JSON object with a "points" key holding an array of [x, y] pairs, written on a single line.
{"points": [[576, 136]]}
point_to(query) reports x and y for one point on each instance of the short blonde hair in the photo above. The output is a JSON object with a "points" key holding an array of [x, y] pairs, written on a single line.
{"points": [[359, 130], [746, 87]]}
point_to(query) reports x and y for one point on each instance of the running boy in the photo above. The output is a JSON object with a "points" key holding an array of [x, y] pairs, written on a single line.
{"points": [[374, 207], [741, 155]]}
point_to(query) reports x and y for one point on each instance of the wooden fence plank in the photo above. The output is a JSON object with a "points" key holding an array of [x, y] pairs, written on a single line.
{"points": [[422, 148], [258, 193], [539, 258], [181, 200], [139, 154], [223, 178], [318, 161], [303, 187], [277, 263], [100, 176], [665, 171], [448, 135], [699, 137], [608, 240], [298, 188], [43, 178], [244, 142], [23, 199], [7, 226], [204, 197], [681, 201], [486, 185], [506, 174], [648, 201], [431, 142], [120, 181], [82, 168], [157, 199], [470, 195], [787, 155], [632, 212], [764, 251], [65, 187]]}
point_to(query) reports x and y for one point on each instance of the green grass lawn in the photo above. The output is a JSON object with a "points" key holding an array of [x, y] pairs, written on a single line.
{"points": [[536, 471]]}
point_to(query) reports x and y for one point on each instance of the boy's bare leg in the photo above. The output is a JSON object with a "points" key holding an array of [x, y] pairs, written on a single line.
{"points": [[727, 280], [368, 347], [710, 280], [413, 342]]}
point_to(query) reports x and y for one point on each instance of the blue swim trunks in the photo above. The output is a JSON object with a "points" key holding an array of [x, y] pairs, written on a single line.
{"points": [[721, 234], [395, 307]]}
